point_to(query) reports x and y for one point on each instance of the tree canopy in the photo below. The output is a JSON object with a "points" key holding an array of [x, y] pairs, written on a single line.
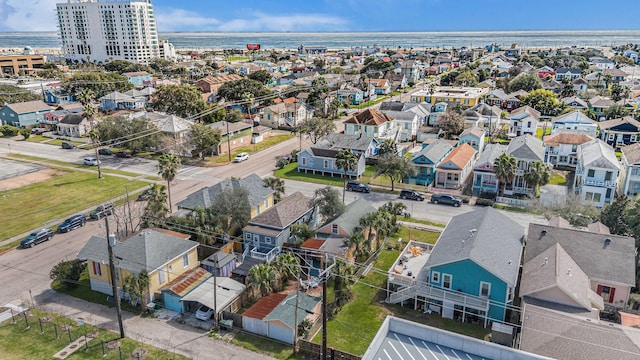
{"points": [[100, 82], [234, 90], [204, 138], [396, 167], [262, 76], [123, 66], [179, 100], [317, 128], [527, 82], [12, 94], [231, 210], [126, 133], [544, 101], [327, 199]]}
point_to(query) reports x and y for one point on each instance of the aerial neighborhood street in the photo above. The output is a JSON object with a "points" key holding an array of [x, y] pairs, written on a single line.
{"points": [[310, 195]]}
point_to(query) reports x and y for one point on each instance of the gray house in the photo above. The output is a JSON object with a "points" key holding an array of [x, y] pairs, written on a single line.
{"points": [[24, 114], [322, 160], [356, 143], [526, 149], [266, 233]]}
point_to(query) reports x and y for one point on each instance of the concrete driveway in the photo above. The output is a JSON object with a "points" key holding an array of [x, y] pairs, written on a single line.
{"points": [[553, 194]]}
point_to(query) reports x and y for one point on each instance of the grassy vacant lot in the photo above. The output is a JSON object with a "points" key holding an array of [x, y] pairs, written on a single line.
{"points": [[18, 343], [50, 141], [266, 143], [263, 345], [557, 179], [355, 325], [77, 166], [67, 193]]}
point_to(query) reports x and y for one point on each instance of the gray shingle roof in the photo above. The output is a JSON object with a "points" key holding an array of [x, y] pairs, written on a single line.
{"points": [[484, 236], [597, 153], [526, 147], [350, 218], [285, 212], [613, 262], [632, 153], [29, 106], [147, 250], [435, 151], [284, 312], [490, 153], [523, 112], [205, 197], [344, 141]]}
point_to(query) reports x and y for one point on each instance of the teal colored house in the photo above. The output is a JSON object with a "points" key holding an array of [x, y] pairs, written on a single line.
{"points": [[352, 96], [173, 292], [24, 114], [478, 254], [473, 136], [426, 161]]}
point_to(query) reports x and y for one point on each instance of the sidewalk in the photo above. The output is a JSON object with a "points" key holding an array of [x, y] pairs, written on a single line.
{"points": [[181, 339]]}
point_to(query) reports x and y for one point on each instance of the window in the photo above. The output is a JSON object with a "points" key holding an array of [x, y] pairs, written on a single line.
{"points": [[326, 164], [574, 148], [267, 240], [509, 293], [611, 136], [485, 289], [607, 176], [435, 277], [334, 228], [247, 236], [185, 260], [446, 281], [162, 277], [97, 269], [304, 161], [591, 173], [634, 138]]}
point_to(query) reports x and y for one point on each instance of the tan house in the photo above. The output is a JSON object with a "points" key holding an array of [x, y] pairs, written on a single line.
{"points": [[163, 254], [285, 114]]}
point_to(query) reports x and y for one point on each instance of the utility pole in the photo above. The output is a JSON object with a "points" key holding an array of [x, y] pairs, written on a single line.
{"points": [[228, 140], [295, 318], [324, 278], [111, 238], [215, 291]]}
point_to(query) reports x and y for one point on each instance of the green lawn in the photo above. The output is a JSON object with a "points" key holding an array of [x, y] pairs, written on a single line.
{"points": [[67, 193], [263, 345], [369, 103], [50, 141], [355, 325], [539, 132], [425, 222], [291, 172], [77, 166], [266, 143], [557, 179], [19, 343]]}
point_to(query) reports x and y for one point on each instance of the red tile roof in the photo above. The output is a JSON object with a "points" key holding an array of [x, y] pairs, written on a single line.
{"points": [[369, 117], [573, 139], [264, 306], [186, 282], [461, 155]]}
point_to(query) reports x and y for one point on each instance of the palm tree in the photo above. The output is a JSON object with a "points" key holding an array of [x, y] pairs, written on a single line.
{"points": [[89, 111], [388, 146], [156, 209], [505, 168], [537, 175], [346, 161], [384, 224], [263, 277], [358, 243], [287, 266], [168, 166], [366, 223], [277, 185], [342, 282]]}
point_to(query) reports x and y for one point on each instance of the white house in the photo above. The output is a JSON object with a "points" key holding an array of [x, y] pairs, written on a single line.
{"points": [[562, 149], [575, 122], [597, 173], [631, 163], [523, 120], [407, 123]]}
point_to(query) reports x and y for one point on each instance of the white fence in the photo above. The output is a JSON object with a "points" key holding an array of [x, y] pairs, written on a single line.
{"points": [[514, 202]]}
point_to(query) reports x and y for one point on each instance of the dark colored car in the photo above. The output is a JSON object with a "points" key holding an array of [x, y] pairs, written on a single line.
{"points": [[446, 199], [72, 223], [123, 154], [101, 211], [68, 145], [36, 237], [105, 151], [358, 186], [411, 195], [145, 195]]}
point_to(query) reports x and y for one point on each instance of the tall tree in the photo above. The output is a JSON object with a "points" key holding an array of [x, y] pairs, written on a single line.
{"points": [[204, 138], [359, 244], [262, 76], [101, 83], [86, 96], [263, 277], [613, 215], [328, 202], [125, 133], [527, 82], [180, 100], [137, 286], [287, 265], [232, 210], [235, 90], [343, 280], [387, 146], [346, 161], [632, 218], [567, 88], [277, 185], [538, 174], [544, 101], [396, 167], [168, 166], [12, 94], [301, 232], [317, 128], [156, 210], [505, 167], [452, 123]]}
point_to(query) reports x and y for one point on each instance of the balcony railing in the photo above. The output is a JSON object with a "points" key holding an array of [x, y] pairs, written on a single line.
{"points": [[440, 294], [606, 183]]}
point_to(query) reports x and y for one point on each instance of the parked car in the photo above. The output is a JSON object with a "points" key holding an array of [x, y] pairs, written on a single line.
{"points": [[38, 130], [145, 195], [204, 313], [358, 186], [123, 154], [68, 145], [91, 161], [411, 194], [446, 199], [241, 157], [101, 211], [105, 151], [36, 237], [72, 223]]}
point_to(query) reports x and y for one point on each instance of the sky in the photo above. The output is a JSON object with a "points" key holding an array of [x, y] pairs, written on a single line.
{"points": [[355, 15]]}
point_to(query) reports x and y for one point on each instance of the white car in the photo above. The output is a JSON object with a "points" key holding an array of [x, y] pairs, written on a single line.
{"points": [[241, 157], [204, 313], [91, 161]]}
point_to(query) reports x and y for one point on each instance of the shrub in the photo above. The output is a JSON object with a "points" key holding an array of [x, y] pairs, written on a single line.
{"points": [[484, 202], [465, 199], [25, 133], [8, 130], [67, 272]]}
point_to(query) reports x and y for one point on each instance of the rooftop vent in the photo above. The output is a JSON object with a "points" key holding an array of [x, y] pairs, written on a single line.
{"points": [[607, 241], [543, 233], [546, 260]]}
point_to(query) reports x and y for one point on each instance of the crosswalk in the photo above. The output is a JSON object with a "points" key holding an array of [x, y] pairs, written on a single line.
{"points": [[187, 172]]}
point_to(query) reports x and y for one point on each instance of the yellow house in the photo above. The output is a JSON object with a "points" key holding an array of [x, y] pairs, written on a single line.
{"points": [[164, 254], [465, 96], [260, 196]]}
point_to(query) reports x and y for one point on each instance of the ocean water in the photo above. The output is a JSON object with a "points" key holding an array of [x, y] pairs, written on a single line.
{"points": [[345, 40]]}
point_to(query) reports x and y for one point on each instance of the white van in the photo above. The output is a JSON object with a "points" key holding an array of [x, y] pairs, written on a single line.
{"points": [[91, 161]]}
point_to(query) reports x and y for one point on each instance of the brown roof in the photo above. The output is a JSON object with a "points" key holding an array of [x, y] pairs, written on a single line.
{"points": [[312, 244], [632, 153], [221, 79], [187, 281], [29, 106], [173, 233], [461, 155], [619, 121], [285, 212], [369, 117], [264, 306], [566, 138]]}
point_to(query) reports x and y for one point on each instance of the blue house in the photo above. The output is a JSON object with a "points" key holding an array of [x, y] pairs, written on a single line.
{"points": [[619, 132], [24, 114], [478, 254], [352, 96], [267, 232], [57, 97], [426, 161], [138, 78], [119, 101], [173, 292], [319, 160], [473, 136]]}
